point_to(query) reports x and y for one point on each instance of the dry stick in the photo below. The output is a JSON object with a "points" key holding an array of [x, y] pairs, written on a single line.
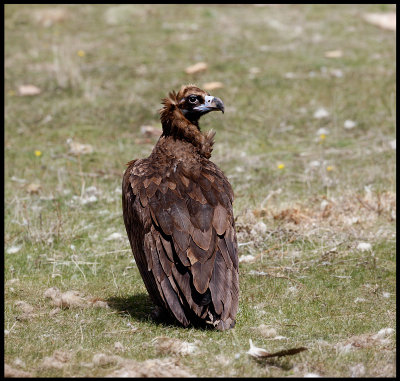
{"points": [[80, 327], [81, 174], [59, 219], [365, 204], [115, 282], [379, 209], [27, 219]]}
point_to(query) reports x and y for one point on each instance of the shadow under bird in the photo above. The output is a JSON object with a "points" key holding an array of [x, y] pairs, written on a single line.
{"points": [[177, 208]]}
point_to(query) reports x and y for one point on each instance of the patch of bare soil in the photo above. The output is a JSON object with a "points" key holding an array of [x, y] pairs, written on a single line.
{"points": [[57, 361], [72, 299], [10, 372], [174, 346], [380, 339], [166, 367]]}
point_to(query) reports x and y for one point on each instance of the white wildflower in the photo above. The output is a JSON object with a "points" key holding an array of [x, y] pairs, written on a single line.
{"points": [[247, 258], [255, 272], [323, 131], [88, 200], [13, 249], [336, 73], [321, 113], [359, 300], [280, 338], [113, 236], [349, 124], [364, 246], [384, 332]]}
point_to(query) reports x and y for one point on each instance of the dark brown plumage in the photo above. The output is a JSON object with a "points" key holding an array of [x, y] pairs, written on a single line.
{"points": [[177, 208]]}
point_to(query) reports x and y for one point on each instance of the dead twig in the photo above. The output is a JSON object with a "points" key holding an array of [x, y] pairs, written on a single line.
{"points": [[365, 204]]}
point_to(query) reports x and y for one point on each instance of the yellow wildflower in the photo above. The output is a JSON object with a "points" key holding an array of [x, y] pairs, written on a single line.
{"points": [[81, 53], [322, 136], [329, 168], [38, 153], [281, 166]]}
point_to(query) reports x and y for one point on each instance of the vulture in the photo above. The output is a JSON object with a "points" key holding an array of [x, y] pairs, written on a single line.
{"points": [[177, 209]]}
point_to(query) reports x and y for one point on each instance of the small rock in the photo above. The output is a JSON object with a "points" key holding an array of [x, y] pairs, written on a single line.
{"points": [[382, 20], [196, 68], [210, 86], [334, 54], [33, 188], [28, 90]]}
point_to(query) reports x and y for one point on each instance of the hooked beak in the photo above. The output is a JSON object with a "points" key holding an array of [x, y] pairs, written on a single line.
{"points": [[211, 104], [214, 103]]}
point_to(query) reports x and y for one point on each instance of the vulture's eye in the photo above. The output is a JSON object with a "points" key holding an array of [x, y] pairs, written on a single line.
{"points": [[192, 99]]}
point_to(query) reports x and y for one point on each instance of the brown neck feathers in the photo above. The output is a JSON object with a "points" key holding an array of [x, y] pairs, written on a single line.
{"points": [[176, 125]]}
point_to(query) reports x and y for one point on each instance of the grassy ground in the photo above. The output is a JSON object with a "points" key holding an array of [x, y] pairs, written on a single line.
{"points": [[308, 190]]}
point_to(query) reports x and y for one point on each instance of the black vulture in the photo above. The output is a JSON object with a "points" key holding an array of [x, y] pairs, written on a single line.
{"points": [[177, 208]]}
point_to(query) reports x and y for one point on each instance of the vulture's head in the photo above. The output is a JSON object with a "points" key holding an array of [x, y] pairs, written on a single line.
{"points": [[194, 103], [181, 113]]}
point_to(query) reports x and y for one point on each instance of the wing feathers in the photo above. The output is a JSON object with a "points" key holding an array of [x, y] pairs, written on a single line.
{"points": [[202, 239], [202, 274], [220, 219], [173, 302], [189, 250], [217, 283]]}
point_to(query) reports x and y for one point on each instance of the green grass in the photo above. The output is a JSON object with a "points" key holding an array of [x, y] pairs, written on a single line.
{"points": [[133, 56]]}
